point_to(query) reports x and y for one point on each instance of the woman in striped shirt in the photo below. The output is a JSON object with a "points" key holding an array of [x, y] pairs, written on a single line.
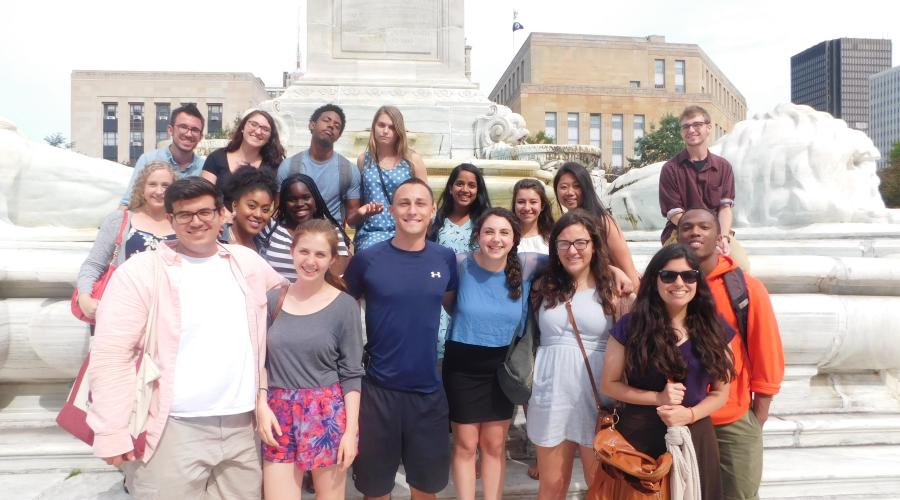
{"points": [[299, 201]]}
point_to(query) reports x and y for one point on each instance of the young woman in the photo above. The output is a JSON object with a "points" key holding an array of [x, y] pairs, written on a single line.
{"points": [[254, 142], [254, 192], [299, 200], [575, 189], [147, 225], [562, 412], [494, 282], [532, 208], [386, 163], [308, 406], [670, 363]]}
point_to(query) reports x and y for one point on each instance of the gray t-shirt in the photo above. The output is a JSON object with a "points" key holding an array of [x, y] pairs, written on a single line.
{"points": [[328, 179], [318, 349]]}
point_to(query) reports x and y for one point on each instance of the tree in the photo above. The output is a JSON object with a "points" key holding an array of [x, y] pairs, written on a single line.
{"points": [[226, 132], [57, 140], [660, 144], [540, 138], [890, 179]]}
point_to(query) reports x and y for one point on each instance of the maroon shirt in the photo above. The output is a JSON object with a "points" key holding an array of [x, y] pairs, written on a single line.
{"points": [[682, 187]]}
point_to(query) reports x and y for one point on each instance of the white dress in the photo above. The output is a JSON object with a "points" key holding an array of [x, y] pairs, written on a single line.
{"points": [[562, 405]]}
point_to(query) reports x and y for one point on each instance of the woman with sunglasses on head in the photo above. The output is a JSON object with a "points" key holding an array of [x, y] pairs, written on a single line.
{"points": [[577, 287], [145, 226], [575, 189], [532, 208], [298, 201], [254, 142], [386, 163], [670, 364], [253, 191]]}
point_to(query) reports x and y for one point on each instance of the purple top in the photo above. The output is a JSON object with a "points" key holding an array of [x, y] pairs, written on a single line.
{"points": [[697, 382]]}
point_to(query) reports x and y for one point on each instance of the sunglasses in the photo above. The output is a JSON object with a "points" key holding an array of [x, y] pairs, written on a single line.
{"points": [[689, 277]]}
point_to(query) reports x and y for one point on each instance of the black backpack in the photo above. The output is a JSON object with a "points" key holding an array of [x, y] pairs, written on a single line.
{"points": [[736, 286]]}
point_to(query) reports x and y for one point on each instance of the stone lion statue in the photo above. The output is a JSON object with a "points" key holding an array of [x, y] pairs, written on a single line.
{"points": [[792, 165]]}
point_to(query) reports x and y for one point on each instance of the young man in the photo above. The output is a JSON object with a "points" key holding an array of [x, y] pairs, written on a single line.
{"points": [[186, 129], [337, 179], [696, 178], [758, 359], [211, 337], [403, 416]]}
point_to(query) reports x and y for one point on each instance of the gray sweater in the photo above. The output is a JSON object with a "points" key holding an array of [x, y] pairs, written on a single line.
{"points": [[104, 245], [318, 349]]}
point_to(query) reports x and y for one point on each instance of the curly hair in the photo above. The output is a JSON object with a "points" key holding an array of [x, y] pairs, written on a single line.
{"points": [[545, 218], [137, 191], [651, 339], [555, 285], [445, 204], [272, 152], [247, 179], [323, 227], [513, 268]]}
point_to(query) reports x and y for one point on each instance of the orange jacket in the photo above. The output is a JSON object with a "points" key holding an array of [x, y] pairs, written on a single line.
{"points": [[765, 373]]}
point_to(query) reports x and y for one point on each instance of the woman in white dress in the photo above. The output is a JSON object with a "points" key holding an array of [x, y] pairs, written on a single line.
{"points": [[532, 208]]}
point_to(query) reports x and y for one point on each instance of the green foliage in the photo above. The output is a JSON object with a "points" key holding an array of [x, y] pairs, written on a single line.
{"points": [[540, 138], [226, 132], [890, 179], [660, 144], [57, 140]]}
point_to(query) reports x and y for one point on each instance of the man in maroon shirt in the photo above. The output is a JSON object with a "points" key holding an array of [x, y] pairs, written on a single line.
{"points": [[697, 178]]}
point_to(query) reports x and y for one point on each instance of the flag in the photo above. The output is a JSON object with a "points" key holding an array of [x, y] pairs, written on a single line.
{"points": [[517, 26]]}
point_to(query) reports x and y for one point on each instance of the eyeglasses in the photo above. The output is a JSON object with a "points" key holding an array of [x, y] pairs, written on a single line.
{"points": [[693, 125], [204, 214], [563, 245], [184, 129], [688, 277], [258, 126]]}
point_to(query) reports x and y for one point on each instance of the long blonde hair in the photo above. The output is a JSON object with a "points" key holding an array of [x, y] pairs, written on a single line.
{"points": [[137, 191], [397, 118]]}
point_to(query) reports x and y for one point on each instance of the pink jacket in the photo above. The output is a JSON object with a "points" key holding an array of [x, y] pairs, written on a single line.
{"points": [[121, 318]]}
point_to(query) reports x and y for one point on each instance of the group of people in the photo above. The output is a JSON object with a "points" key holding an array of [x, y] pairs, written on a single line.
{"points": [[269, 370]]}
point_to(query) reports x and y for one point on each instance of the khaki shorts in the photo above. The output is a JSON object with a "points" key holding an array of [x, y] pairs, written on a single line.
{"points": [[741, 457]]}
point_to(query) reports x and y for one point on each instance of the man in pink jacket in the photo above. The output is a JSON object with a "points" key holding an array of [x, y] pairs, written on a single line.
{"points": [[211, 339]]}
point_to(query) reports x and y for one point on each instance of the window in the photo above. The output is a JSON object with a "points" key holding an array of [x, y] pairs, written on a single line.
{"points": [[214, 114], [618, 147], [136, 116], [109, 139], [550, 125], [595, 130], [572, 128], [109, 111], [635, 84], [163, 109], [110, 146], [679, 77], [638, 132], [659, 73]]}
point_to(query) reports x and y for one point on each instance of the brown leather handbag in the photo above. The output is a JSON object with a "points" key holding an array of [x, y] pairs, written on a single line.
{"points": [[622, 473]]}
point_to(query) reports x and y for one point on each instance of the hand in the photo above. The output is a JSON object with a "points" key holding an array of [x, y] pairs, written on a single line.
{"points": [[675, 415], [672, 394], [370, 208], [118, 460], [347, 449], [268, 426], [723, 245], [761, 407], [88, 304], [622, 283]]}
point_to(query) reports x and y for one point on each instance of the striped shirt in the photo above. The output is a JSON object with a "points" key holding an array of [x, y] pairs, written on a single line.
{"points": [[278, 251]]}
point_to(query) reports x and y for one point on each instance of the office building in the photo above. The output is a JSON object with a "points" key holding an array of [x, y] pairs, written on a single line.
{"points": [[884, 111]]}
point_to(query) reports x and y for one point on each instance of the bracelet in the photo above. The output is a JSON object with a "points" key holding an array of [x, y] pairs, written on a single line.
{"points": [[693, 419], [264, 389]]}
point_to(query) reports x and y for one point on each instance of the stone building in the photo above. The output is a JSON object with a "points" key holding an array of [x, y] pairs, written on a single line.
{"points": [[117, 115], [606, 91]]}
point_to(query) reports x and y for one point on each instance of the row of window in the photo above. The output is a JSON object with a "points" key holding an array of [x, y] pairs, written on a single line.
{"points": [[659, 75], [617, 159], [136, 127]]}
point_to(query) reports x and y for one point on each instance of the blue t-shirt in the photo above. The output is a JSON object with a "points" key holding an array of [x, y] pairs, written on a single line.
{"points": [[328, 179], [403, 292]]}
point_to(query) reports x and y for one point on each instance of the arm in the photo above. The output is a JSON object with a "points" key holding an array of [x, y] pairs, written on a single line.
{"points": [[350, 372], [418, 166], [206, 174], [366, 209], [618, 250], [348, 447], [97, 261], [671, 203], [623, 284], [724, 242], [267, 425], [351, 197], [766, 352], [673, 415], [613, 384]]}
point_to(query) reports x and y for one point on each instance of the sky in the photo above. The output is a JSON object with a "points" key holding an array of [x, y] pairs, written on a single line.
{"points": [[43, 41]]}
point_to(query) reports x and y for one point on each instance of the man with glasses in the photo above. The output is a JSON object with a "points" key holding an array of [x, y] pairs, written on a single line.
{"points": [[210, 328], [337, 179], [757, 350], [186, 130], [697, 178]]}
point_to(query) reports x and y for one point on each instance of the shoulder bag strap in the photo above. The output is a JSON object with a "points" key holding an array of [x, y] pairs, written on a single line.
{"points": [[387, 197], [119, 236], [587, 363]]}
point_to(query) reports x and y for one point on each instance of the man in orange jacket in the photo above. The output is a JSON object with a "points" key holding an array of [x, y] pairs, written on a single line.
{"points": [[758, 360]]}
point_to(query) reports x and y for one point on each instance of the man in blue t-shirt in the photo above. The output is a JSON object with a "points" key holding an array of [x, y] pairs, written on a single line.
{"points": [[337, 179], [403, 415]]}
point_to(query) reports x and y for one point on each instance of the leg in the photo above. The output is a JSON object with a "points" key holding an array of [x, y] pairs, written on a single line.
{"points": [[426, 433], [330, 483], [465, 444], [706, 448], [421, 495], [741, 455], [492, 442], [588, 463], [281, 481], [555, 467], [380, 440], [740, 255], [238, 474], [532, 469]]}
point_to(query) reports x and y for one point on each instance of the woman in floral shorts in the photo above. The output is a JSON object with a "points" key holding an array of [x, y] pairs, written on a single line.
{"points": [[308, 409]]}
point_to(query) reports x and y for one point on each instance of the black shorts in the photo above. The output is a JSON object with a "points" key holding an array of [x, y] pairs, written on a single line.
{"points": [[470, 380], [402, 427]]}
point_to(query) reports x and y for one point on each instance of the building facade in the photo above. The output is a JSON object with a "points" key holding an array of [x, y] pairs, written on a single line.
{"points": [[607, 91], [884, 112], [117, 115], [833, 76]]}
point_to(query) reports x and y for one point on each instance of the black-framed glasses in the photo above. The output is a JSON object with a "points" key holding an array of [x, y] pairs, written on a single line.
{"points": [[262, 128], [204, 214], [563, 245], [693, 125], [689, 277], [185, 129]]}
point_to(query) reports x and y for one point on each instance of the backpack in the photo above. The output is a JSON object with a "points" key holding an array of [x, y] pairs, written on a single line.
{"points": [[736, 286], [344, 175]]}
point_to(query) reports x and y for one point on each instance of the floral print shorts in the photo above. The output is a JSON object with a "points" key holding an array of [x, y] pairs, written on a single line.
{"points": [[312, 422]]}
